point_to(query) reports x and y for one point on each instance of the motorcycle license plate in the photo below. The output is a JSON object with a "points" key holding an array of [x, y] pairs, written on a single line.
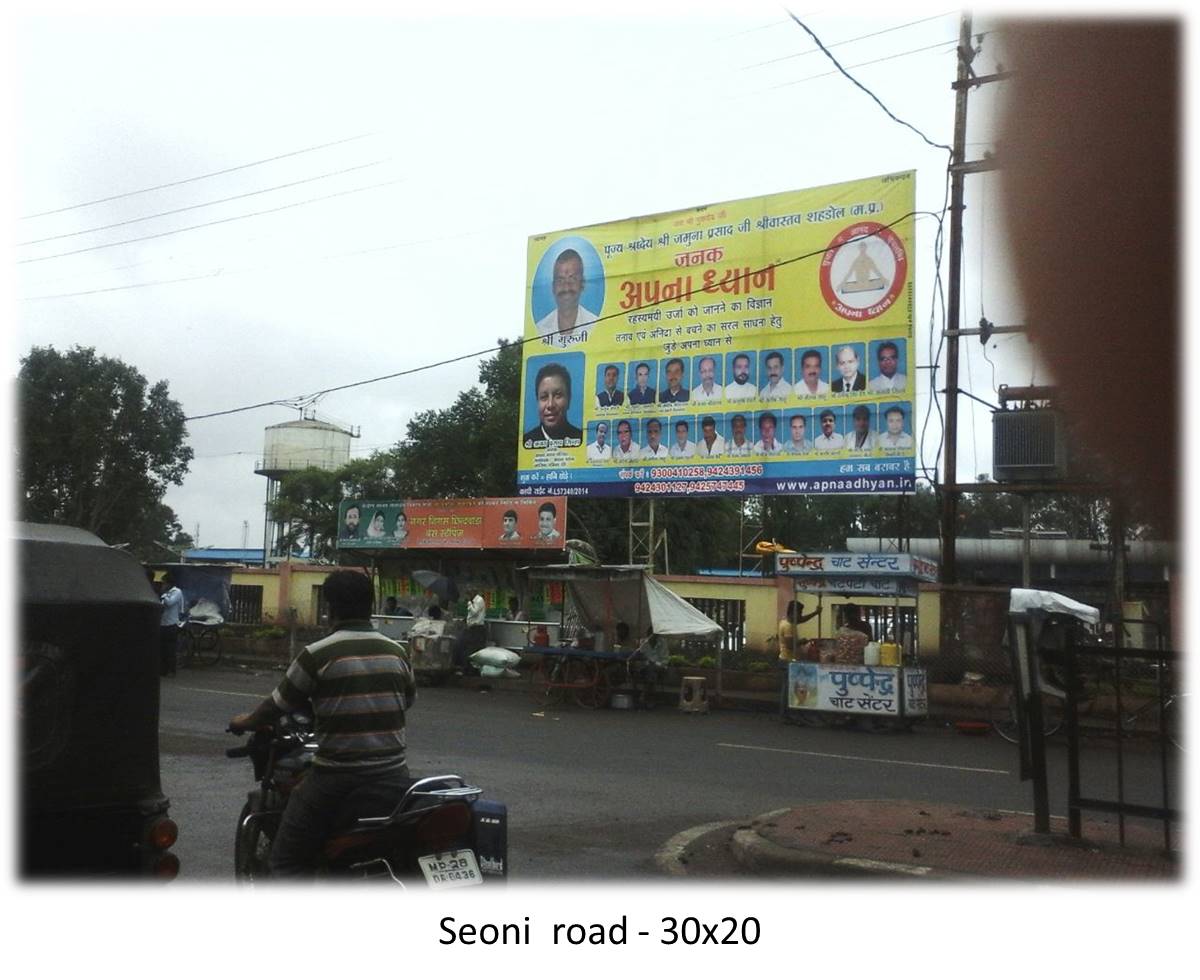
{"points": [[453, 869]]}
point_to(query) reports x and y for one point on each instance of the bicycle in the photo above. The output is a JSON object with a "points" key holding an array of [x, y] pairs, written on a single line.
{"points": [[1054, 699], [556, 677], [1169, 723], [200, 643]]}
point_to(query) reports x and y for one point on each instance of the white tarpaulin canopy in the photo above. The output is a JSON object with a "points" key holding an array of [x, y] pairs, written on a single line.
{"points": [[1031, 600], [604, 595]]}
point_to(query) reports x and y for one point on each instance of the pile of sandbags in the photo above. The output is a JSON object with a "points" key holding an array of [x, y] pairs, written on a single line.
{"points": [[496, 662]]}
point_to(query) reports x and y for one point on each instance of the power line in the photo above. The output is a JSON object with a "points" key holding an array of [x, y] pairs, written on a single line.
{"points": [[937, 299], [858, 84], [294, 401], [205, 204], [849, 40], [189, 180], [257, 268], [218, 221], [861, 64]]}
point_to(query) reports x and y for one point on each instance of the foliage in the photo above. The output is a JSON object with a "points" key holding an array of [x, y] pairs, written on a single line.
{"points": [[823, 523], [97, 448], [307, 502], [701, 533], [469, 449]]}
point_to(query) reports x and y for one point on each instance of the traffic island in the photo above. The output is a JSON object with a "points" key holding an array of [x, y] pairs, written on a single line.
{"points": [[907, 840]]}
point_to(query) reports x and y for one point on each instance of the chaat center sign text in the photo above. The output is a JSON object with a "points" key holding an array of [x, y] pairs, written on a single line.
{"points": [[755, 346]]}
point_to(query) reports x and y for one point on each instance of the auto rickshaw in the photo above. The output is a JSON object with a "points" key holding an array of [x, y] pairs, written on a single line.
{"points": [[90, 795]]}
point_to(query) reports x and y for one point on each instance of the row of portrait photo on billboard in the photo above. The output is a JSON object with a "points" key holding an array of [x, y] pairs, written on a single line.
{"points": [[775, 374], [861, 429]]}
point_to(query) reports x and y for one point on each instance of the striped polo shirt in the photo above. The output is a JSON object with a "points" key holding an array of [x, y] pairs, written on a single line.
{"points": [[357, 680]]}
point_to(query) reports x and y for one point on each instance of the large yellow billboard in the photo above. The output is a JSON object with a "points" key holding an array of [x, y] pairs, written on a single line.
{"points": [[755, 346]]}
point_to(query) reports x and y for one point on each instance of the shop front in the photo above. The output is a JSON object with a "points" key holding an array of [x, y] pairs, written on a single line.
{"points": [[863, 669]]}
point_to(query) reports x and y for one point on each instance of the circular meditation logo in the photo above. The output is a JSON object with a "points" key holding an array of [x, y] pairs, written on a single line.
{"points": [[863, 271]]}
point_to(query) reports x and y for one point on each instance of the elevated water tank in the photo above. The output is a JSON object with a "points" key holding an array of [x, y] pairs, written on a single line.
{"points": [[304, 443]]}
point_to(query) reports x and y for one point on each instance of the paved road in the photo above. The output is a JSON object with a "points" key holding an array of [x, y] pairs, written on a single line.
{"points": [[594, 794]]}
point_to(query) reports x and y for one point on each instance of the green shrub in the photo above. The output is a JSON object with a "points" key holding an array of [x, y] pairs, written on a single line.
{"points": [[269, 633], [707, 662], [677, 660], [760, 666]]}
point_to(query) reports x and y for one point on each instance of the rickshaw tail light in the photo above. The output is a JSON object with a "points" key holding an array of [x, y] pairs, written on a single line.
{"points": [[163, 833], [166, 867]]}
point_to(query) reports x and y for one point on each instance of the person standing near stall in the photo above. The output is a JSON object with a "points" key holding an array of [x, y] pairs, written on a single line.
{"points": [[172, 601], [652, 656], [789, 636], [852, 620], [789, 632], [474, 637]]}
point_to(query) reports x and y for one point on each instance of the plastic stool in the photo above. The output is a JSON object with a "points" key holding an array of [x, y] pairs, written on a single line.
{"points": [[693, 696]]}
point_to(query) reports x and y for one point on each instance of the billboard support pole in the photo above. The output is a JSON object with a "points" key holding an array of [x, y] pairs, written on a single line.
{"points": [[641, 532]]}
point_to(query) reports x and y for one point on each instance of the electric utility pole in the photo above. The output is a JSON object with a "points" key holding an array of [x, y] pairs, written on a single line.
{"points": [[949, 501]]}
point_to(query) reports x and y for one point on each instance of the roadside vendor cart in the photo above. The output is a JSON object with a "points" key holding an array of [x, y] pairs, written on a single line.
{"points": [[602, 604], [892, 686]]}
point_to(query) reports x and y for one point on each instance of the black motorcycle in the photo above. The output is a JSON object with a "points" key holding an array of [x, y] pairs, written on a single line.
{"points": [[439, 832]]}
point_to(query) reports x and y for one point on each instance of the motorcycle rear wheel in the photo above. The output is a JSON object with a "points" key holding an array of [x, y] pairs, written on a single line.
{"points": [[252, 848]]}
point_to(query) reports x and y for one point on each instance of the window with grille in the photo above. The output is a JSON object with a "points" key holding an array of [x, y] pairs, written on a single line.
{"points": [[246, 603], [730, 615]]}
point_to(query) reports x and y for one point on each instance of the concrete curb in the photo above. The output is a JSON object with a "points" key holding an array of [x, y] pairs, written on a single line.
{"points": [[668, 858], [756, 853]]}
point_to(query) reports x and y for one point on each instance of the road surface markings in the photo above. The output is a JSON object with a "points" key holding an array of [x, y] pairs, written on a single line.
{"points": [[886, 866], [209, 690], [863, 758]]}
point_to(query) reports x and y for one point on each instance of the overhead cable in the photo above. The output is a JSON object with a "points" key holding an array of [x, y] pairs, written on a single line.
{"points": [[189, 180], [291, 402], [858, 84], [849, 40], [205, 204], [219, 221]]}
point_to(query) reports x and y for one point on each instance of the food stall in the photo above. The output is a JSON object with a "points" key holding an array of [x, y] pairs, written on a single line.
{"points": [[884, 680], [426, 553], [601, 602]]}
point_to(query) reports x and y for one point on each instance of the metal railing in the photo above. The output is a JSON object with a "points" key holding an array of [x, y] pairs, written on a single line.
{"points": [[1089, 666], [1083, 659]]}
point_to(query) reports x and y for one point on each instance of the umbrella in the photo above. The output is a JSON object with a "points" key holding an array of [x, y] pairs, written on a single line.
{"points": [[437, 583]]}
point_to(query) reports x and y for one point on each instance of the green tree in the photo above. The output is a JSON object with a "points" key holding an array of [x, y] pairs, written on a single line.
{"points": [[470, 448], [307, 501], [98, 446], [823, 523]]}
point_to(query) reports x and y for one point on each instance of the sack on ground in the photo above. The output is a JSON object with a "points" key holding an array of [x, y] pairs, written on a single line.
{"points": [[494, 657], [497, 672]]}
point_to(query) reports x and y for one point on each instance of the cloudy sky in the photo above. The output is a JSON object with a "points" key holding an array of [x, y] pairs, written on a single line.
{"points": [[257, 208]]}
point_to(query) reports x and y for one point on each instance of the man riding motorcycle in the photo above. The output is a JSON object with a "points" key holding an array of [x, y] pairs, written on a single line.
{"points": [[359, 685]]}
